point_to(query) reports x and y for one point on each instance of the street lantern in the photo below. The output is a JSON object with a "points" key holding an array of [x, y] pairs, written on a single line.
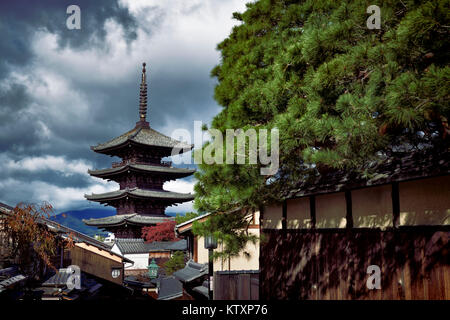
{"points": [[115, 272], [210, 244], [153, 269]]}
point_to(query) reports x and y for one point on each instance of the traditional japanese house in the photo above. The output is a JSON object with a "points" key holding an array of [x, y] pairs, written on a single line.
{"points": [[99, 265], [141, 200], [142, 253], [323, 237], [198, 253]]}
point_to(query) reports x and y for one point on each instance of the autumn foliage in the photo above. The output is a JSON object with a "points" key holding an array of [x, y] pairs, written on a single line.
{"points": [[31, 241], [164, 231]]}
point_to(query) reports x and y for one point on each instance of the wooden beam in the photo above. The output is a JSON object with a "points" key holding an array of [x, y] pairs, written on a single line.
{"points": [[348, 205], [395, 204], [312, 210], [195, 249], [284, 217]]}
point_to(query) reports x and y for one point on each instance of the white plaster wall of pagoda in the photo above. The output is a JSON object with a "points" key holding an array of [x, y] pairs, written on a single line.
{"points": [[425, 201]]}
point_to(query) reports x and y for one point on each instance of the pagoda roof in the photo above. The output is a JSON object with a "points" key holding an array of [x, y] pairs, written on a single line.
{"points": [[141, 193], [121, 219], [170, 171], [144, 136]]}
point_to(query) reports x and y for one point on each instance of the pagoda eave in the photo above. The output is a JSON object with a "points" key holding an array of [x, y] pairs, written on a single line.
{"points": [[141, 194], [126, 219], [144, 138], [171, 172]]}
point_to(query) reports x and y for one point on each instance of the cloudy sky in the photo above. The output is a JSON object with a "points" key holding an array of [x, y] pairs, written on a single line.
{"points": [[63, 90]]}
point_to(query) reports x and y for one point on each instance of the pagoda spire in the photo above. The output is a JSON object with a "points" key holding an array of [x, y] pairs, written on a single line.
{"points": [[143, 100]]}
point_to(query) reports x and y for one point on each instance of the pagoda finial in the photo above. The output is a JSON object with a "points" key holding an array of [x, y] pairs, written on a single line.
{"points": [[143, 98]]}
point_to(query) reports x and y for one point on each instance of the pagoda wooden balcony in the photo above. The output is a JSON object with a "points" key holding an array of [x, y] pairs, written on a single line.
{"points": [[124, 163]]}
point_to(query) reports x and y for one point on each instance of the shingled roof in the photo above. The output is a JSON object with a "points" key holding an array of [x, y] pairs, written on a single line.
{"points": [[4, 208], [170, 288], [191, 271], [141, 193], [167, 171], [121, 219], [399, 166], [130, 246], [142, 136]]}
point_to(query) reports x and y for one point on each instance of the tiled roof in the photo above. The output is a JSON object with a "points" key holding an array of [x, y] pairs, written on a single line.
{"points": [[141, 193], [203, 289], [168, 171], [400, 166], [121, 219], [143, 136], [178, 245], [170, 288], [129, 246], [59, 278], [4, 208], [192, 220], [191, 271]]}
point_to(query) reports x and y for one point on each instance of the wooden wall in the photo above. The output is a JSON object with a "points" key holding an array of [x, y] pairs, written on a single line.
{"points": [[99, 263], [408, 203], [332, 263], [236, 285]]}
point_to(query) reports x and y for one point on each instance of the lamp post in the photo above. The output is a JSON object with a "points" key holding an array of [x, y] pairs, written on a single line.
{"points": [[210, 244], [153, 269]]}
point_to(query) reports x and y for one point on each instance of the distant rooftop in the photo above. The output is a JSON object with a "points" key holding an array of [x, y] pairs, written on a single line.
{"points": [[129, 246], [191, 271], [170, 288]]}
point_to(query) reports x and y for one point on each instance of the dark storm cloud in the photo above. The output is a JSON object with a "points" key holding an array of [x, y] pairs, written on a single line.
{"points": [[57, 178], [21, 135], [19, 20], [93, 105]]}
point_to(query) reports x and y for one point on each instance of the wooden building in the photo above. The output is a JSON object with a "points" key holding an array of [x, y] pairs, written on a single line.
{"points": [[323, 237], [141, 253], [141, 200], [90, 255], [198, 253]]}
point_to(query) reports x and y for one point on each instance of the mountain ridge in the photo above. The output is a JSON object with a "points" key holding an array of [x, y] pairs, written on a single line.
{"points": [[74, 219]]}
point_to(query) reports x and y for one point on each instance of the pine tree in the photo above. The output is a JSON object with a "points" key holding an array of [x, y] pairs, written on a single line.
{"points": [[338, 92], [176, 262]]}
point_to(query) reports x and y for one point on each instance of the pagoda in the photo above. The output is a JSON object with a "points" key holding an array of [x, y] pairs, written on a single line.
{"points": [[141, 200]]}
